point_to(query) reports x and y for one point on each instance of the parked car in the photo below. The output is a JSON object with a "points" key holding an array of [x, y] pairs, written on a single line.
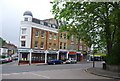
{"points": [[14, 58], [8, 59], [55, 62], [71, 61], [2, 60]]}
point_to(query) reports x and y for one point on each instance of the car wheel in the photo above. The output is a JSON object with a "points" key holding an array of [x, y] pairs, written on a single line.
{"points": [[54, 63]]}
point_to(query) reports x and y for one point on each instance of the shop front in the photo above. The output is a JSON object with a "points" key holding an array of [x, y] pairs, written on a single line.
{"points": [[79, 56], [63, 55], [72, 55], [52, 54], [29, 56], [38, 56], [23, 57]]}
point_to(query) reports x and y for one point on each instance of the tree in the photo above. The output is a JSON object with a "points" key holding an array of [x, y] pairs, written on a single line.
{"points": [[97, 23]]}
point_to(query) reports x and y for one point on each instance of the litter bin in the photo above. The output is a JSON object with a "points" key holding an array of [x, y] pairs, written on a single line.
{"points": [[104, 65]]}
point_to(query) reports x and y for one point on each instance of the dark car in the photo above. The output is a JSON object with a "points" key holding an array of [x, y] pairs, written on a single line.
{"points": [[54, 62]]}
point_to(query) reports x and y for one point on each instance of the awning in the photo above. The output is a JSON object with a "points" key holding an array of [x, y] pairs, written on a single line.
{"points": [[63, 51], [52, 51], [72, 52]]}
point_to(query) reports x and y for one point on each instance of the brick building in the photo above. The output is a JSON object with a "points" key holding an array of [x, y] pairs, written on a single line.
{"points": [[40, 40]]}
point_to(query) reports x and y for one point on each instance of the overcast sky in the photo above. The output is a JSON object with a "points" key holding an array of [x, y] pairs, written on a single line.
{"points": [[11, 13]]}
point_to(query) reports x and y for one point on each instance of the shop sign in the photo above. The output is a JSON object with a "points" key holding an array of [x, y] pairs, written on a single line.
{"points": [[52, 52], [23, 50], [72, 52], [62, 51], [38, 51]]}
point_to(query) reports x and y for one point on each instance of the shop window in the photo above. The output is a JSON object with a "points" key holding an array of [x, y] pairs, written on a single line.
{"points": [[42, 45], [36, 44], [23, 43], [42, 34]]}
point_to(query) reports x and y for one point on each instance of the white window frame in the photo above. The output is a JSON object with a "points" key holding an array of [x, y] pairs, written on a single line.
{"points": [[23, 31], [50, 35], [42, 45], [42, 34], [37, 33], [24, 43], [35, 44]]}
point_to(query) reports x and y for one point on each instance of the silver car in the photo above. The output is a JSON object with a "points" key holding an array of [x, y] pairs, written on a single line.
{"points": [[71, 61]]}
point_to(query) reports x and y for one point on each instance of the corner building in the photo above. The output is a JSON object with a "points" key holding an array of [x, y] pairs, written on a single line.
{"points": [[40, 41]]}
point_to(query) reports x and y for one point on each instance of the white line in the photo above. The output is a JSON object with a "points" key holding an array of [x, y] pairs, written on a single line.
{"points": [[41, 75]]}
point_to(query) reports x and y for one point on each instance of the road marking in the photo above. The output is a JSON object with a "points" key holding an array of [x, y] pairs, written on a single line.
{"points": [[41, 75], [25, 73]]}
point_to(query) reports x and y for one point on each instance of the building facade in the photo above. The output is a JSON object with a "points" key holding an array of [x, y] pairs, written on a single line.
{"points": [[40, 41]]}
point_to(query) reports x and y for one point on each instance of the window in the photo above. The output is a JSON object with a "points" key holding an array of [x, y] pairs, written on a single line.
{"points": [[72, 38], [49, 24], [55, 36], [80, 47], [64, 45], [61, 35], [23, 43], [72, 46], [50, 45], [26, 19], [36, 44], [54, 46], [53, 26], [64, 36], [60, 45], [50, 36], [81, 41], [42, 34], [41, 22], [42, 45], [36, 33], [24, 30], [85, 48]]}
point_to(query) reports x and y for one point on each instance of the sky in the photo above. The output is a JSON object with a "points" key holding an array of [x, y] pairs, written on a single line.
{"points": [[11, 13]]}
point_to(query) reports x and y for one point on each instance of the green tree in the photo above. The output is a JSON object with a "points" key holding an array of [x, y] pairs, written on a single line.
{"points": [[97, 23]]}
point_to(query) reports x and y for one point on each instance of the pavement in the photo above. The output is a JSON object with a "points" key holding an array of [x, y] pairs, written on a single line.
{"points": [[105, 73]]}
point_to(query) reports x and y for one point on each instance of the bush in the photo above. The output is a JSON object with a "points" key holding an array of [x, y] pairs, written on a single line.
{"points": [[114, 57]]}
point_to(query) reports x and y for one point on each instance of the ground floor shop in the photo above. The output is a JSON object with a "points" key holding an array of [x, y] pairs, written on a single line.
{"points": [[29, 56]]}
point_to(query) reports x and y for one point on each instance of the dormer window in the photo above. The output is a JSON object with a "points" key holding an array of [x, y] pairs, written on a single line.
{"points": [[26, 19], [49, 24], [41, 22]]}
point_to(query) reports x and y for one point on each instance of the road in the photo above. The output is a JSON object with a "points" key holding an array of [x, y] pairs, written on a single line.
{"points": [[42, 71]]}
